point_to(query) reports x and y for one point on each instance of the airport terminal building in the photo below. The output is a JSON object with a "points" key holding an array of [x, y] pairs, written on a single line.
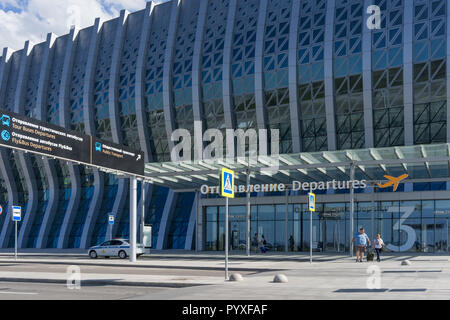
{"points": [[353, 102]]}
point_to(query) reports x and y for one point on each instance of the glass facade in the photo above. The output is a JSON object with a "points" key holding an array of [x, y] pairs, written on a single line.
{"points": [[182, 67], [311, 85], [212, 64], [387, 76], [348, 82], [405, 226], [127, 82], [243, 64], [154, 86], [429, 62], [276, 74], [180, 221]]}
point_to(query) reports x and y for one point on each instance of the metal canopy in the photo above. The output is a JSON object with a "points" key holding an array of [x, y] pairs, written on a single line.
{"points": [[423, 163]]}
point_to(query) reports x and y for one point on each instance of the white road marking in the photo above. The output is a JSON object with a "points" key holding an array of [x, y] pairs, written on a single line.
{"points": [[20, 293]]}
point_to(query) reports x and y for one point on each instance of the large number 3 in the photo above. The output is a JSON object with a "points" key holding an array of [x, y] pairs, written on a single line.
{"points": [[411, 234]]}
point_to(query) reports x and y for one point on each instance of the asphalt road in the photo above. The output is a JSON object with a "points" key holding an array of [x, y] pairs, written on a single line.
{"points": [[44, 291], [120, 270]]}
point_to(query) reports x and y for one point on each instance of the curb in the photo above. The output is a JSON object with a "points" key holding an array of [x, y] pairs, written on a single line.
{"points": [[88, 283]]}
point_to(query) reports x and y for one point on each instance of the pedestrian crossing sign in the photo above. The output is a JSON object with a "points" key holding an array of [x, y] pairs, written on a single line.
{"points": [[312, 202], [227, 183]]}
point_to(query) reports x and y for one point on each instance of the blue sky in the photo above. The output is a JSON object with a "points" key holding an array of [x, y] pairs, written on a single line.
{"points": [[22, 20]]}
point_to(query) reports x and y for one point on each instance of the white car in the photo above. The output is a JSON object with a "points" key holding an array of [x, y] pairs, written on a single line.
{"points": [[115, 248]]}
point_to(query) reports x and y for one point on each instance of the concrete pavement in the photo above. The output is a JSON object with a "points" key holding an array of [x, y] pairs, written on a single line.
{"points": [[201, 276]]}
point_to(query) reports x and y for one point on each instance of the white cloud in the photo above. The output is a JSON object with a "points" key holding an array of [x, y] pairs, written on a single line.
{"points": [[33, 19]]}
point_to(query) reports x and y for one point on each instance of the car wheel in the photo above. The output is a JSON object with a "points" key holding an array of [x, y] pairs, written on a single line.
{"points": [[93, 254], [122, 254]]}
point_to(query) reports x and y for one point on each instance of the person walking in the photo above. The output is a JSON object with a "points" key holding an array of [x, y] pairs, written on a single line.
{"points": [[263, 244], [360, 239], [378, 244], [255, 242], [291, 243]]}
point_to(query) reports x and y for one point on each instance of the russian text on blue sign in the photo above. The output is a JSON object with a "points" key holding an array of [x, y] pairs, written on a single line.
{"points": [[17, 213]]}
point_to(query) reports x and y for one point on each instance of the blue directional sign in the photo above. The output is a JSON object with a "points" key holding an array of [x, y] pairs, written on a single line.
{"points": [[227, 183], [312, 202], [17, 213]]}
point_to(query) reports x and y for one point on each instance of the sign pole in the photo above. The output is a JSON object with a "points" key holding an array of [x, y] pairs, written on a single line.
{"points": [[352, 207], [16, 216], [226, 239], [133, 218], [310, 236], [142, 212], [248, 213], [312, 208], [110, 224], [15, 241], [227, 191]]}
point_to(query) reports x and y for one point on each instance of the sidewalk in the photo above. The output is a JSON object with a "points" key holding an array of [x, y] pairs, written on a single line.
{"points": [[428, 274]]}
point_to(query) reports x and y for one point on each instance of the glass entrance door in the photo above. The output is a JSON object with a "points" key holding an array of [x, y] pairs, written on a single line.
{"points": [[238, 234], [332, 233], [441, 235]]}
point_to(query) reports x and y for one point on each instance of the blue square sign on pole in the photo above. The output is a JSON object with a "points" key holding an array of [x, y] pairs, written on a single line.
{"points": [[227, 183], [111, 219], [312, 202], [17, 213]]}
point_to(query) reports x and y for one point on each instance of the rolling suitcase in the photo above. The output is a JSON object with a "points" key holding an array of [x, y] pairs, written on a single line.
{"points": [[370, 255]]}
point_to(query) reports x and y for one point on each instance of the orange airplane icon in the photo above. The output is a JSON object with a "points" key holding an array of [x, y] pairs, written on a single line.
{"points": [[393, 181]]}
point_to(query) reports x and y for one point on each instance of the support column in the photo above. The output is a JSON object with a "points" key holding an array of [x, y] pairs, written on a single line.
{"points": [[226, 73], [142, 210], [165, 219], [64, 121], [286, 225], [141, 114], [88, 94], [259, 68], [24, 158], [373, 211], [197, 224], [192, 225], [329, 76], [408, 97], [133, 218], [196, 81], [352, 207], [49, 165], [167, 77], [5, 164], [448, 77], [89, 120], [293, 78], [248, 215], [199, 234], [122, 191], [367, 82]]}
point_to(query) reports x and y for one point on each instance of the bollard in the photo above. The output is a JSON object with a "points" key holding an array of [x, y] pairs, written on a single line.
{"points": [[236, 277], [406, 263], [280, 278]]}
